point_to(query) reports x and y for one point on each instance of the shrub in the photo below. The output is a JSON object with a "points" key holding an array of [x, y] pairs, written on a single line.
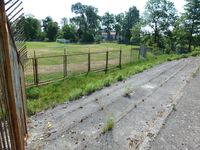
{"points": [[119, 77], [33, 93], [169, 59], [195, 53], [76, 93], [107, 82], [90, 88]]}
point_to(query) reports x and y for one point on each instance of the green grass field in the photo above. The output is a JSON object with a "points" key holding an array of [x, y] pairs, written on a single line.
{"points": [[51, 68], [54, 48]]}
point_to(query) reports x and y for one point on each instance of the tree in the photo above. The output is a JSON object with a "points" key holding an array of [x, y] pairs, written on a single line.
{"points": [[32, 28], [69, 33], [160, 15], [118, 24], [131, 18], [45, 22], [87, 21], [176, 38], [64, 21], [108, 22], [192, 22], [136, 31], [50, 28]]}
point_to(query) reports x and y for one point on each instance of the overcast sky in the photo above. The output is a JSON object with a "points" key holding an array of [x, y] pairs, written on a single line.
{"points": [[58, 9]]}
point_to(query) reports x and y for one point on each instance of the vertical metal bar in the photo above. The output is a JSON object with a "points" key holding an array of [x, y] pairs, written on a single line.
{"points": [[5, 105], [4, 140], [36, 69], [120, 58], [131, 55], [106, 61], [33, 63], [1, 145], [24, 102], [89, 66], [139, 53], [65, 63], [3, 126]]}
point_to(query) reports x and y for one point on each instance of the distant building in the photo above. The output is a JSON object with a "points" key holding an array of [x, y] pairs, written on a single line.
{"points": [[63, 41], [105, 35]]}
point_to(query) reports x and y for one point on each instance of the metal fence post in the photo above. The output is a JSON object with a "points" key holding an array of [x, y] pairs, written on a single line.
{"points": [[65, 63], [131, 55], [89, 62], [33, 63], [120, 58], [106, 61], [139, 53], [36, 79]]}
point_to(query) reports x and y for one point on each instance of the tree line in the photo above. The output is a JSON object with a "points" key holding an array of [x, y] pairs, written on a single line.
{"points": [[160, 26]]}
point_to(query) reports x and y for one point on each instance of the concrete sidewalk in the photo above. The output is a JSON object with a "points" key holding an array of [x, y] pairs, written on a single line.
{"points": [[182, 128]]}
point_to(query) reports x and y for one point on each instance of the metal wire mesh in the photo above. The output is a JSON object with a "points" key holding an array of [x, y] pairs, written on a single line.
{"points": [[50, 68], [126, 56], [77, 64], [113, 59], [28, 72], [98, 61]]}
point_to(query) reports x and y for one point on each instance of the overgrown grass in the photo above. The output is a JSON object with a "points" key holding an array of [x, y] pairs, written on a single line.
{"points": [[44, 97]]}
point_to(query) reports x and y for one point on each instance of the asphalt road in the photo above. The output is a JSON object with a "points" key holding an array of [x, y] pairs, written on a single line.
{"points": [[137, 117], [182, 128]]}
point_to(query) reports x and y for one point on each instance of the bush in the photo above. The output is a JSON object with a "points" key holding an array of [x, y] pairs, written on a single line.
{"points": [[33, 93], [107, 82], [195, 53], [76, 93], [87, 38], [98, 39], [90, 88], [169, 59], [119, 77]]}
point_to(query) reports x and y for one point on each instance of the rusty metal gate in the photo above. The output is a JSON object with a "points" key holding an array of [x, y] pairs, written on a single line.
{"points": [[13, 116]]}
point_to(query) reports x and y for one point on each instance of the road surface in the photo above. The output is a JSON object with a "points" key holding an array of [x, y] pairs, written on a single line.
{"points": [[138, 107]]}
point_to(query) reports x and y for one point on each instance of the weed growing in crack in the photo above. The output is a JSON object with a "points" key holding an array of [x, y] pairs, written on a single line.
{"points": [[194, 74], [128, 92], [174, 107], [109, 125]]}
